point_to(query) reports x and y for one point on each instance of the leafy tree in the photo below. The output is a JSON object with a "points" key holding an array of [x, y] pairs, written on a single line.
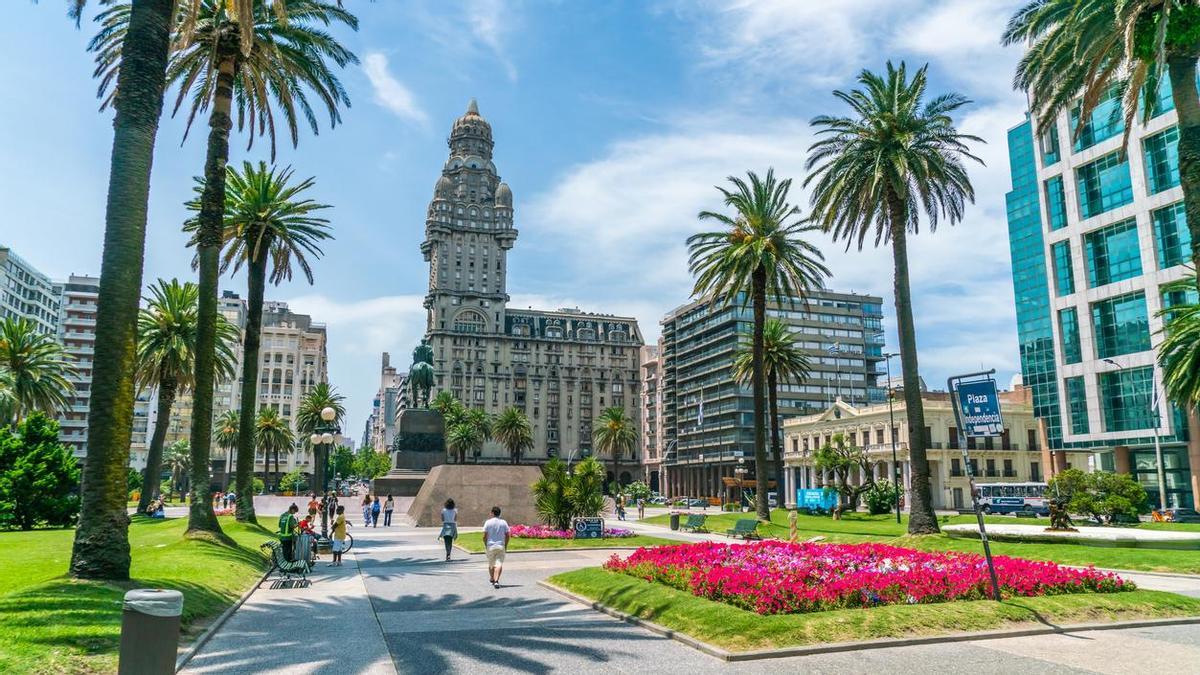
{"points": [[272, 436], [615, 435], [133, 482], [562, 495], [512, 430], [881, 497], [34, 370], [1080, 50], [370, 464], [166, 356], [258, 485], [293, 481], [343, 461], [308, 420], [39, 477], [897, 160], [785, 362], [759, 252], [637, 490], [1104, 496], [841, 459]]}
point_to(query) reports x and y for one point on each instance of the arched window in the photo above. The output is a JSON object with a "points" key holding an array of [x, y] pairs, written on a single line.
{"points": [[554, 331], [469, 321], [586, 334], [618, 336]]}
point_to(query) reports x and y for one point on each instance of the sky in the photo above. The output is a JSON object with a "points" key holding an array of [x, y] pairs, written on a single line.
{"points": [[613, 122]]}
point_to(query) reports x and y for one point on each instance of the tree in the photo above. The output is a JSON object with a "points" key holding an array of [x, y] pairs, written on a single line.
{"points": [[272, 436], [343, 461], [895, 160], [561, 495], [637, 490], [461, 439], [39, 478], [1081, 50], [615, 435], [34, 370], [785, 362], [166, 352], [226, 434], [1179, 352], [759, 252], [370, 464], [177, 458], [512, 430], [308, 420], [1103, 495], [268, 223], [841, 459], [881, 497], [134, 480], [293, 481]]}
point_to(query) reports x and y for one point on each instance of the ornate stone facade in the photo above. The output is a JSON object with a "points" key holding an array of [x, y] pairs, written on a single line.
{"points": [[561, 367]]}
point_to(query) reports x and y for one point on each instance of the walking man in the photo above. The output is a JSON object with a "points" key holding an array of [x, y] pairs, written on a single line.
{"points": [[495, 541]]}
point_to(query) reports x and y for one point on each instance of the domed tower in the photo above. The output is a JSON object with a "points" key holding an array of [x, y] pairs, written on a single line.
{"points": [[468, 232]]}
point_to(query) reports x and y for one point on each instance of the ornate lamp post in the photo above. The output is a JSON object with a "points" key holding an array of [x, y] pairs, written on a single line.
{"points": [[323, 435]]}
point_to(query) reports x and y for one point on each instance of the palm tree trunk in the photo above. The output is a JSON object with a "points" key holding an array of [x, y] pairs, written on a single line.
{"points": [[256, 280], [101, 547], [759, 300], [1182, 71], [776, 448], [209, 237], [921, 518], [150, 479]]}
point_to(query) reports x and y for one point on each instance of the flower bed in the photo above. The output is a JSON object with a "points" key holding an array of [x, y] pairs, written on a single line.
{"points": [[543, 532], [773, 577]]}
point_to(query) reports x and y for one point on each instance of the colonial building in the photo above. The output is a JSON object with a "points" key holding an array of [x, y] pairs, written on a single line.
{"points": [[1018, 455], [561, 367]]}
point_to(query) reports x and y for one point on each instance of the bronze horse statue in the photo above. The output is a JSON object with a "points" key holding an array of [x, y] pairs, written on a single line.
{"points": [[420, 376]]}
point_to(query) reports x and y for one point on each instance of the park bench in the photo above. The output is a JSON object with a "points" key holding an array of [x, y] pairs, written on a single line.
{"points": [[694, 523], [287, 568], [746, 528]]}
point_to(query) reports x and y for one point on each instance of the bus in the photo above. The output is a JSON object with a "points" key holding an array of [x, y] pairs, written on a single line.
{"points": [[1013, 497]]}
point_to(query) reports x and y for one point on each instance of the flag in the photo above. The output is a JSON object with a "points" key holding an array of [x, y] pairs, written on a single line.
{"points": [[700, 414]]}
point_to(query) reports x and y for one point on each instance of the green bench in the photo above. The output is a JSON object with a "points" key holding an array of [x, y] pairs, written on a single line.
{"points": [[746, 528], [694, 523]]}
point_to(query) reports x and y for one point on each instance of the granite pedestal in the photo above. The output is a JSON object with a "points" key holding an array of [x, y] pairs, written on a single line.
{"points": [[475, 489]]}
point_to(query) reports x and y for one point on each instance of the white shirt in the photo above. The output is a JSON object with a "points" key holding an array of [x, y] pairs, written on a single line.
{"points": [[496, 532], [449, 515]]}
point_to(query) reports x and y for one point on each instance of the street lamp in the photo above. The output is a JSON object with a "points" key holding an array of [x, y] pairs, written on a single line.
{"points": [[323, 435], [891, 394], [1158, 456]]}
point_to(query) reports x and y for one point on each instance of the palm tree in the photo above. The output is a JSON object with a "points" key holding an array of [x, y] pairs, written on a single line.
{"points": [[217, 61], [461, 439], [226, 435], [272, 436], [308, 420], [178, 459], [1179, 352], [34, 369], [785, 362], [165, 357], [268, 223], [1085, 48], [513, 431], [759, 252], [877, 172], [481, 423], [8, 399], [615, 435]]}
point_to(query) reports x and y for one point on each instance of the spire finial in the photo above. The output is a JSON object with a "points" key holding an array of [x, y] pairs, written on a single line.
{"points": [[472, 107]]}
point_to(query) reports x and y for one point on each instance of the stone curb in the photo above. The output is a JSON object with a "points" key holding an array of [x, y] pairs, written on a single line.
{"points": [[194, 648], [881, 643]]}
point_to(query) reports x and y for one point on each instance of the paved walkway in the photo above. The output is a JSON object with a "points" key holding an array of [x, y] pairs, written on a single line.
{"points": [[398, 607]]}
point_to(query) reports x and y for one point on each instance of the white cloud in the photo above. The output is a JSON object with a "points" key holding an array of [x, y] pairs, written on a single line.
{"points": [[390, 92], [489, 21], [488, 24]]}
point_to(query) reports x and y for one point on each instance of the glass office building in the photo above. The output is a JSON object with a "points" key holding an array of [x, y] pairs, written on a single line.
{"points": [[1096, 235]]}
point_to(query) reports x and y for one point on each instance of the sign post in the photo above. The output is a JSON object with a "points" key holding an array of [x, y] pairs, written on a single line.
{"points": [[977, 413], [589, 528]]}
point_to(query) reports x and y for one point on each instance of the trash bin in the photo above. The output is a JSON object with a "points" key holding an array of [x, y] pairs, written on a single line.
{"points": [[150, 632], [674, 520]]}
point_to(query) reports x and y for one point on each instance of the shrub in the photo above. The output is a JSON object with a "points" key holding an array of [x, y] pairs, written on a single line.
{"points": [[561, 495], [259, 486], [637, 490], [881, 498], [731, 506], [39, 477], [293, 481], [133, 482], [1102, 495]]}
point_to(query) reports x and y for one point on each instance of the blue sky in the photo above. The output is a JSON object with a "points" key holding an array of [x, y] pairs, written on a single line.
{"points": [[612, 123]]}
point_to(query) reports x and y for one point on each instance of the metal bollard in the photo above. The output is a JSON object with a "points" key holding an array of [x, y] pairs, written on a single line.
{"points": [[150, 632]]}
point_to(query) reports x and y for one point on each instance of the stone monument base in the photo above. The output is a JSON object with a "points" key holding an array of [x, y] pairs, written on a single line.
{"points": [[475, 490], [399, 483]]}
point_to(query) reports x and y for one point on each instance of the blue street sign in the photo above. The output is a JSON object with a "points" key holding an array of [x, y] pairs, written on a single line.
{"points": [[589, 528], [979, 407]]}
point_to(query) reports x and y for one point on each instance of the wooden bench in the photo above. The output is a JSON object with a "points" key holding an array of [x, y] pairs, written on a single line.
{"points": [[694, 523], [287, 568], [746, 528]]}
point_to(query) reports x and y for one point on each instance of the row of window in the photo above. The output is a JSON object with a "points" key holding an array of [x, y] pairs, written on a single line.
{"points": [[1126, 400]]}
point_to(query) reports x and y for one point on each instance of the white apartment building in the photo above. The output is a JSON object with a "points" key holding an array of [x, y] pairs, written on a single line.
{"points": [[27, 293], [77, 333]]}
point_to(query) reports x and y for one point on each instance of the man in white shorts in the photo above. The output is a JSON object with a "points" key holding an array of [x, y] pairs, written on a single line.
{"points": [[495, 541]]}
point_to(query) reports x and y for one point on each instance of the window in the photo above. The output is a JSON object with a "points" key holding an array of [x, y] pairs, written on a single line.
{"points": [[1103, 185], [1175, 298], [1056, 203], [1105, 121], [1064, 274], [1035, 472], [1125, 397], [955, 467], [1121, 325], [1163, 101], [1172, 239], [1112, 253], [1009, 471], [991, 465], [1161, 153], [1068, 330], [1049, 144], [1077, 405], [469, 322]]}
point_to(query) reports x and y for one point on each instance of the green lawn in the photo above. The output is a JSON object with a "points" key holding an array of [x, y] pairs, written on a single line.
{"points": [[736, 629], [858, 527], [52, 624], [473, 542]]}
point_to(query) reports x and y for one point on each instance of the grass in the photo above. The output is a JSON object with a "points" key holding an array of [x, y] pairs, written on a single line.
{"points": [[53, 624], [736, 629], [473, 542], [859, 527]]}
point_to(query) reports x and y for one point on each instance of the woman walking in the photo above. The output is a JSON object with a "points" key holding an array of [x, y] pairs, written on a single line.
{"points": [[376, 507], [449, 525], [388, 507], [366, 509]]}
